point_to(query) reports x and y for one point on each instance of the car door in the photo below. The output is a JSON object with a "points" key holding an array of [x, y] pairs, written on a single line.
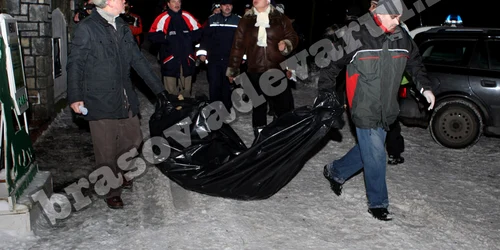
{"points": [[484, 78], [447, 63]]}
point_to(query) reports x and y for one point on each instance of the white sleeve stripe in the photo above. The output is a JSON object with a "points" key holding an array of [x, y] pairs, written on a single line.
{"points": [[191, 19], [223, 25], [161, 23], [201, 52]]}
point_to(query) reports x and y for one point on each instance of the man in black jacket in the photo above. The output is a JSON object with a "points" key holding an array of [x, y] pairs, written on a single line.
{"points": [[101, 54], [215, 47], [376, 52]]}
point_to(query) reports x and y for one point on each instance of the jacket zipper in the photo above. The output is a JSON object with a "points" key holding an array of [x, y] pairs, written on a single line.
{"points": [[265, 58], [384, 61], [125, 97]]}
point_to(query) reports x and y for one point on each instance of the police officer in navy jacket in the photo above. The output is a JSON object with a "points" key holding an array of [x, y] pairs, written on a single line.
{"points": [[215, 47]]}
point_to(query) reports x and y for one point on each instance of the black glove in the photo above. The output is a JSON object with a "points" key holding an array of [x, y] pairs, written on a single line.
{"points": [[162, 103], [327, 98], [419, 97]]}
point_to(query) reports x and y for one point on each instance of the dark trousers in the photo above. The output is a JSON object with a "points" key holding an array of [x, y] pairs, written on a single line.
{"points": [[111, 138], [281, 103], [219, 86], [394, 142]]}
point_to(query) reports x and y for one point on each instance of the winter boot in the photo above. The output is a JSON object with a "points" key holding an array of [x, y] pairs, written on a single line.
{"points": [[114, 202], [127, 184], [395, 160], [334, 185], [380, 213]]}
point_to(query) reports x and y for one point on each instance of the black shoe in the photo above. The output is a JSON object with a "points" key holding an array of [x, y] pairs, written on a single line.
{"points": [[127, 184], [380, 213], [114, 202], [395, 160], [335, 186]]}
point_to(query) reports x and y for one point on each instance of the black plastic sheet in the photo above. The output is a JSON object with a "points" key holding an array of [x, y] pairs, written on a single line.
{"points": [[413, 109], [219, 164]]}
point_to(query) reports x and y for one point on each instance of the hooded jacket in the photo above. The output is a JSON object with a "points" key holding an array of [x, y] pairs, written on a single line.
{"points": [[374, 72]]}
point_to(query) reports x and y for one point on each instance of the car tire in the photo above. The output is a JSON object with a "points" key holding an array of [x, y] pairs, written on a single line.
{"points": [[456, 124]]}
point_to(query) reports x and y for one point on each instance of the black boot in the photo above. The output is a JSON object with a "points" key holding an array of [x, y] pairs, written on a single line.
{"points": [[380, 213], [334, 185], [395, 160]]}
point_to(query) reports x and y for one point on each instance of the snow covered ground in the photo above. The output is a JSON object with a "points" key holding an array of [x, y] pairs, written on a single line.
{"points": [[441, 199]]}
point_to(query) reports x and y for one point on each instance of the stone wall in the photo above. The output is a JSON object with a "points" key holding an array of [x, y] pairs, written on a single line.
{"points": [[35, 31], [3, 6], [65, 7]]}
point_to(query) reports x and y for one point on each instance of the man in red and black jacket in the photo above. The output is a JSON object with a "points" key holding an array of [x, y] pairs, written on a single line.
{"points": [[176, 31], [376, 53]]}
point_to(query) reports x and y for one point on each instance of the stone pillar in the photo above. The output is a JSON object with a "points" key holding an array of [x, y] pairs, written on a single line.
{"points": [[35, 32], [3, 6]]}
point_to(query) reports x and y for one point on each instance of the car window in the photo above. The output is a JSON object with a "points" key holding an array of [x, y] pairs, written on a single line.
{"points": [[484, 60], [452, 53], [494, 48], [480, 58]]}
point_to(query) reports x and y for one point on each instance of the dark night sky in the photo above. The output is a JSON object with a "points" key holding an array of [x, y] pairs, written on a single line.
{"points": [[479, 13]]}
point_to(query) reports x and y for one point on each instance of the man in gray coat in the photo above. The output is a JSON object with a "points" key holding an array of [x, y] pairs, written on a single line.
{"points": [[101, 54]]}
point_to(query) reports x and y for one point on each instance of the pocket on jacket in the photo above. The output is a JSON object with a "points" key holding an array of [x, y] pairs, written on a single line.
{"points": [[104, 48], [168, 63], [368, 65], [100, 86], [102, 96], [399, 64], [106, 102]]}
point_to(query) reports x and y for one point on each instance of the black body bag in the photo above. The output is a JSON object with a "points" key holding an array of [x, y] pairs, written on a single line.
{"points": [[216, 161]]}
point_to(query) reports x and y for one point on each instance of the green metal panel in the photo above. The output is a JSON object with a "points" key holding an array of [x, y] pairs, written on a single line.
{"points": [[17, 149]]}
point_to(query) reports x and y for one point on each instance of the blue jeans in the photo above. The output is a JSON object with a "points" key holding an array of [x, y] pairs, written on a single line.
{"points": [[369, 154]]}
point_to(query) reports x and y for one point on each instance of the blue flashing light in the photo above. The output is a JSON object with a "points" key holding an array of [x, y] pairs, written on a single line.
{"points": [[453, 20]]}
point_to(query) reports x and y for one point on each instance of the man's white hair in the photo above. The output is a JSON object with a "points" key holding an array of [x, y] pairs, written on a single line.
{"points": [[100, 3]]}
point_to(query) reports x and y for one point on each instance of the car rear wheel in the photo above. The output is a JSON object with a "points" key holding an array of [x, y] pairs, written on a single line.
{"points": [[456, 124]]}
